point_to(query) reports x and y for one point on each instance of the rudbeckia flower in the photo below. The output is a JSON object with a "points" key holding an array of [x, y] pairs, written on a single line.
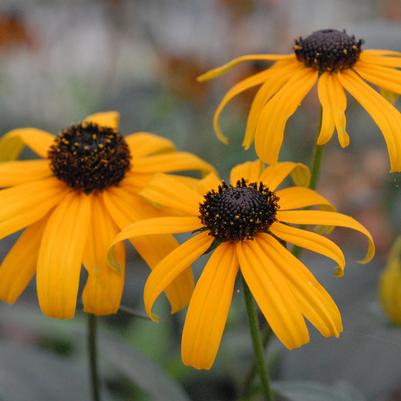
{"points": [[336, 62], [390, 285], [72, 203], [245, 225]]}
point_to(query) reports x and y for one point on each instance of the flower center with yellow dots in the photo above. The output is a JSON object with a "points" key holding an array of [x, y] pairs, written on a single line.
{"points": [[89, 157], [328, 50], [238, 213]]}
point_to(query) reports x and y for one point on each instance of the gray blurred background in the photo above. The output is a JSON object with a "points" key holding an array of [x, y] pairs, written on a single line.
{"points": [[61, 60]]}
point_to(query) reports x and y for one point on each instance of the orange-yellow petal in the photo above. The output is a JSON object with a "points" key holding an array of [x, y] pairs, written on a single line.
{"points": [[300, 197], [60, 256], [19, 266], [207, 313], [109, 119], [274, 175], [171, 266], [323, 218], [104, 287], [20, 172], [327, 124], [250, 171], [142, 144], [272, 294]]}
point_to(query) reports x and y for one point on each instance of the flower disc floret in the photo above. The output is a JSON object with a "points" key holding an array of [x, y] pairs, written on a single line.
{"points": [[89, 157], [328, 50], [238, 213]]}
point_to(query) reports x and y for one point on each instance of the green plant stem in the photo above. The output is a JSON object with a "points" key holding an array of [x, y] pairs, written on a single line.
{"points": [[257, 343], [92, 357]]}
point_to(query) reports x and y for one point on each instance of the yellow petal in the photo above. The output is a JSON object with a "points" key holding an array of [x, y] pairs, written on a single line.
{"points": [[144, 143], [381, 60], [300, 197], [240, 87], [274, 175], [24, 204], [109, 119], [327, 125], [171, 162], [126, 209], [251, 57], [60, 256], [207, 183], [36, 139], [385, 115], [313, 300], [273, 118], [171, 266], [167, 191], [208, 309], [104, 287], [21, 172], [272, 294], [10, 148], [381, 52], [279, 74], [312, 241], [317, 217], [249, 171], [19, 266]]}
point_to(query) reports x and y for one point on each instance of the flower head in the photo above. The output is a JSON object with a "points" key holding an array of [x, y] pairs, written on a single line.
{"points": [[390, 284], [337, 63], [73, 202], [244, 224]]}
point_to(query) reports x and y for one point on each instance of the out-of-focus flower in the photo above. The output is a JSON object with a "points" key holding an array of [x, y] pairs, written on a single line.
{"points": [[14, 32], [335, 61], [242, 224], [390, 284], [73, 203]]}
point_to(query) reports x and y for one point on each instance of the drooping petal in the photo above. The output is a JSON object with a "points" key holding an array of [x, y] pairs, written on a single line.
{"points": [[318, 217], [240, 87], [20, 172], [383, 77], [126, 209], [24, 204], [171, 162], [312, 241], [60, 256], [327, 125], [280, 73], [273, 295], [10, 148], [250, 171], [142, 144], [207, 313], [19, 266], [109, 119], [274, 175], [216, 72], [166, 191], [104, 287], [313, 300], [300, 197], [171, 266], [36, 139], [385, 115], [274, 115]]}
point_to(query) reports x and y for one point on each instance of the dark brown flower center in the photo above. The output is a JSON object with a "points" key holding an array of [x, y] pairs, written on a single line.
{"points": [[238, 213], [328, 50], [88, 157]]}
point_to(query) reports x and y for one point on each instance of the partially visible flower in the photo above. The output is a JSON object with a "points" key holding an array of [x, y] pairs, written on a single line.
{"points": [[73, 202], [244, 225], [335, 61], [390, 284]]}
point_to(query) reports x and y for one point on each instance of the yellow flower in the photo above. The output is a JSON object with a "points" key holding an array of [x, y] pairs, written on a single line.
{"points": [[336, 62], [390, 284], [73, 203], [246, 222]]}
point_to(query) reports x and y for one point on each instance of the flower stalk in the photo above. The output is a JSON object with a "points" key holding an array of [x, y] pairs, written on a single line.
{"points": [[92, 357]]}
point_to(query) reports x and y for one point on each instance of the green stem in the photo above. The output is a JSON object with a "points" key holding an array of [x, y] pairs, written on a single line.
{"points": [[257, 343], [315, 168], [92, 356]]}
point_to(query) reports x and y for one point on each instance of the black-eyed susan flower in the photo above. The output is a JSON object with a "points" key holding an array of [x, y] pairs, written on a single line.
{"points": [[337, 63], [73, 202], [244, 224], [390, 284]]}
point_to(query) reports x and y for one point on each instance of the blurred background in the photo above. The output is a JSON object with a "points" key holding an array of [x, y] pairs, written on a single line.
{"points": [[60, 61]]}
